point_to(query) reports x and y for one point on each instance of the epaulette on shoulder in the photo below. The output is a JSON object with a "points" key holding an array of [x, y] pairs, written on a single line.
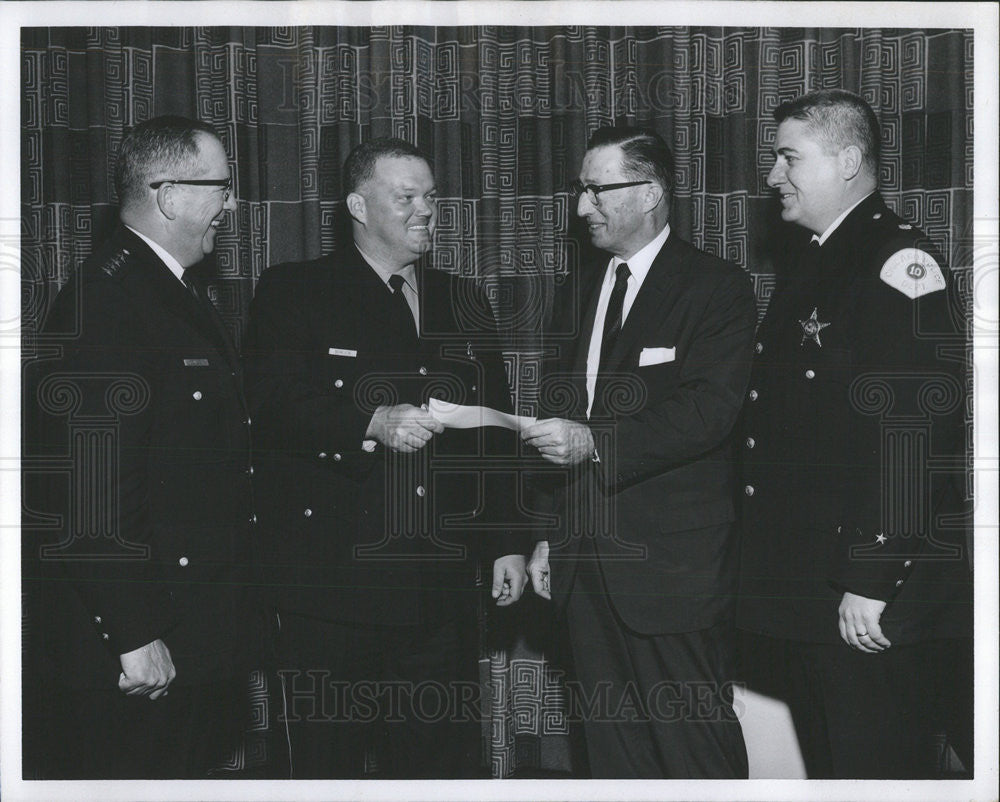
{"points": [[114, 262]]}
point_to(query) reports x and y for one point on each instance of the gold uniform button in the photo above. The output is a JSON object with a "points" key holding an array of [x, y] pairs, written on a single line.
{"points": [[182, 562], [339, 383], [196, 395], [810, 374]]}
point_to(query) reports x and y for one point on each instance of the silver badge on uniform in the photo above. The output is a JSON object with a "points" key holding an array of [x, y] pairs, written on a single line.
{"points": [[811, 328]]}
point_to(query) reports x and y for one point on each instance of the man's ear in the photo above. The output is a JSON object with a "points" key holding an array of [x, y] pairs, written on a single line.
{"points": [[850, 161], [654, 195], [356, 207], [166, 200]]}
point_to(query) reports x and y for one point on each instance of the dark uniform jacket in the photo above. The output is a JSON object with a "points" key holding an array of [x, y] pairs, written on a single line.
{"points": [[658, 506], [353, 531], [141, 528], [853, 444]]}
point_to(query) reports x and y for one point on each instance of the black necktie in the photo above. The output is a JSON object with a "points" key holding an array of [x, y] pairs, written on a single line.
{"points": [[613, 317], [403, 312]]}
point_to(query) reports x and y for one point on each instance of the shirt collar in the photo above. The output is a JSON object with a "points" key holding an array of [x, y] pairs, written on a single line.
{"points": [[163, 253], [641, 261], [408, 273], [843, 215]]}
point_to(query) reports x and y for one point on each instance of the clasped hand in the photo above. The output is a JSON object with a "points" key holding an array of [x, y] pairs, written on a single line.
{"points": [[561, 441], [147, 671], [404, 427]]}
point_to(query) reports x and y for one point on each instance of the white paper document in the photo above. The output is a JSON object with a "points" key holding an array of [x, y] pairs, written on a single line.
{"points": [[460, 416]]}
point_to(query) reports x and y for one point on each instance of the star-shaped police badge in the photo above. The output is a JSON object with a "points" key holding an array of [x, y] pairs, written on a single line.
{"points": [[811, 329]]}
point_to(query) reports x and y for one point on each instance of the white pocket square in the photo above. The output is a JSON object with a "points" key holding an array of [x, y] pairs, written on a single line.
{"points": [[656, 356]]}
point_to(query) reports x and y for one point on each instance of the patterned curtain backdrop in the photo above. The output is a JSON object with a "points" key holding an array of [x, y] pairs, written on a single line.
{"points": [[505, 114]]}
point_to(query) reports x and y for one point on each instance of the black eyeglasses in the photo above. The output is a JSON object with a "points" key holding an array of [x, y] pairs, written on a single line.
{"points": [[577, 188], [226, 183]]}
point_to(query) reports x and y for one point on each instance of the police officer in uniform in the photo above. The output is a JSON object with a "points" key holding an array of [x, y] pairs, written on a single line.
{"points": [[368, 504], [143, 614], [855, 572]]}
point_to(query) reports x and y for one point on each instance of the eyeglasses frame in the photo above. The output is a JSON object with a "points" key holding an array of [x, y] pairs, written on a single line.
{"points": [[226, 183], [578, 188]]}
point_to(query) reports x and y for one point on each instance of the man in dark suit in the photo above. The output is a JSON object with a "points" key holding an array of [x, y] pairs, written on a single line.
{"points": [[141, 613], [640, 409], [855, 575], [372, 510]]}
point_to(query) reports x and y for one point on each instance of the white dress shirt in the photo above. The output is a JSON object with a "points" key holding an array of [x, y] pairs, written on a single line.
{"points": [[638, 266]]}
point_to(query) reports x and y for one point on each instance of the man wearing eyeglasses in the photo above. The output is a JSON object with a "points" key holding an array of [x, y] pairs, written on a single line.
{"points": [[146, 620], [639, 411]]}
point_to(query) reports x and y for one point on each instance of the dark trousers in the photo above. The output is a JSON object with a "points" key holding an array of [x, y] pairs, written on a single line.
{"points": [[653, 706], [105, 734], [873, 716], [355, 700]]}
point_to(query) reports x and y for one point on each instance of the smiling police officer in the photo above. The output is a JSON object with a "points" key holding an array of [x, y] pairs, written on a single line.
{"points": [[855, 570]]}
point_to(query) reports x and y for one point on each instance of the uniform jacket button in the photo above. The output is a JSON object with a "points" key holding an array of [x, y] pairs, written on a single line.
{"points": [[758, 347], [339, 383], [751, 442], [182, 562], [420, 491], [748, 490], [196, 395], [337, 458], [307, 512], [105, 636], [899, 582], [253, 518], [98, 620], [908, 563], [422, 371], [810, 374], [753, 395], [322, 455]]}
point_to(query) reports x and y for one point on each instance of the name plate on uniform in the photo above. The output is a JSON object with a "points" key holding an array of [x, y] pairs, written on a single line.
{"points": [[196, 363], [342, 352]]}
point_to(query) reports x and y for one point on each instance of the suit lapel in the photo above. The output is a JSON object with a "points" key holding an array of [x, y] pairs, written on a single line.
{"points": [[647, 309]]}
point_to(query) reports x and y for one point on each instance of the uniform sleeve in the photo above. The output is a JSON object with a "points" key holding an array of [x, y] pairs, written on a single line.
{"points": [[499, 443], [907, 403], [293, 409], [105, 389]]}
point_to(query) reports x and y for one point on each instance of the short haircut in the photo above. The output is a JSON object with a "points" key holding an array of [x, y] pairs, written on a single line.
{"points": [[645, 154], [360, 164], [158, 147], [839, 118]]}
